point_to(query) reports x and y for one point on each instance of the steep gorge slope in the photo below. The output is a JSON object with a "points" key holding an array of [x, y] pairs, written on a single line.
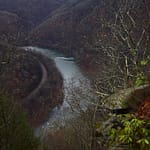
{"points": [[11, 27], [77, 26], [21, 72], [22, 77], [18, 17], [74, 26], [33, 11], [69, 25]]}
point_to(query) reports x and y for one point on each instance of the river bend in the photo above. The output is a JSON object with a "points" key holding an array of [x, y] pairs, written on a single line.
{"points": [[74, 80]]}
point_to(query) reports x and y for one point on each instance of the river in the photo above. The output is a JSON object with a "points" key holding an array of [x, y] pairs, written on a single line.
{"points": [[75, 84]]}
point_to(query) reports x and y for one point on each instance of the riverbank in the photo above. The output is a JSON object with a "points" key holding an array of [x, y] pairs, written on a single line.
{"points": [[22, 73], [48, 94]]}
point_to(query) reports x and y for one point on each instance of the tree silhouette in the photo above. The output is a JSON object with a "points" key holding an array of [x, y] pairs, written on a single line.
{"points": [[15, 133]]}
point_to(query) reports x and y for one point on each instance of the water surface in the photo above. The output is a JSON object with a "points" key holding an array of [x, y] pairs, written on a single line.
{"points": [[73, 80]]}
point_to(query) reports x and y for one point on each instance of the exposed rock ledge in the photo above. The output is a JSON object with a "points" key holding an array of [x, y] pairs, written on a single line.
{"points": [[128, 98]]}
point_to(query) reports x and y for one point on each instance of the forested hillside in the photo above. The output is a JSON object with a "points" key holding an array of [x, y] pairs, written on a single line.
{"points": [[18, 17], [90, 89], [75, 27], [70, 25], [33, 11], [78, 27], [21, 73], [12, 27]]}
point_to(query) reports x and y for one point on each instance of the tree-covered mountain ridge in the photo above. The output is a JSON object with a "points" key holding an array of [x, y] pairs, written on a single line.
{"points": [[80, 27]]}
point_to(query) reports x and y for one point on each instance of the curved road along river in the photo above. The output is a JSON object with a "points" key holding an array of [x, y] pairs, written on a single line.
{"points": [[43, 80], [72, 78]]}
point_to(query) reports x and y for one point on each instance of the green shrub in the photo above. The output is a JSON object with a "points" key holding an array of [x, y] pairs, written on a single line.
{"points": [[135, 133]]}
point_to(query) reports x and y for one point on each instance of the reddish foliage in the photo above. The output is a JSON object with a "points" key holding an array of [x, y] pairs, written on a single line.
{"points": [[144, 109]]}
